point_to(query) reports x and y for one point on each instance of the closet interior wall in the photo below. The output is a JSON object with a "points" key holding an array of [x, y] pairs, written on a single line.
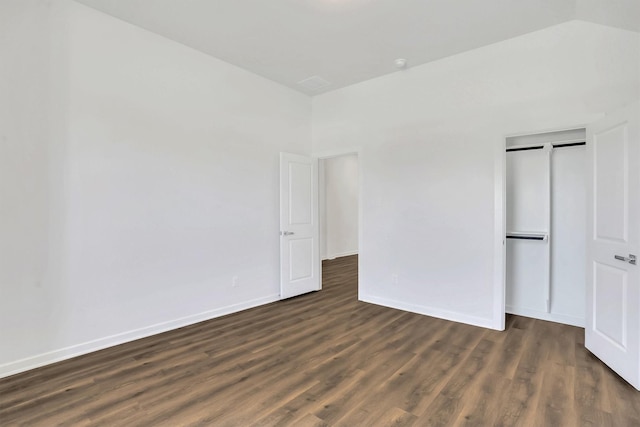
{"points": [[546, 226]]}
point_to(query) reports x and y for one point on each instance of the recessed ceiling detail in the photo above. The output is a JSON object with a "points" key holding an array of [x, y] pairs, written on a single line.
{"points": [[347, 42], [314, 83]]}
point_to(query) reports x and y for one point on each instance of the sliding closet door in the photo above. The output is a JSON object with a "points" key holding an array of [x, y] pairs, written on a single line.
{"points": [[568, 240], [528, 204]]}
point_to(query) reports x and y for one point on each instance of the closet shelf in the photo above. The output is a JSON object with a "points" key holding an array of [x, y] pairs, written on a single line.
{"points": [[527, 235]]}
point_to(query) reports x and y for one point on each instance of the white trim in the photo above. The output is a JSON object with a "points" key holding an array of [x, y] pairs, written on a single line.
{"points": [[543, 315], [54, 356], [430, 311], [546, 130], [499, 243], [322, 214], [327, 154], [340, 255]]}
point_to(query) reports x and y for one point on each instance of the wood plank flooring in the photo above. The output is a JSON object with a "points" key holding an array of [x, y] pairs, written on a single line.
{"points": [[325, 359]]}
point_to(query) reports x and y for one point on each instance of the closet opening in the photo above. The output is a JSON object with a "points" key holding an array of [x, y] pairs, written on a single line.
{"points": [[546, 216]]}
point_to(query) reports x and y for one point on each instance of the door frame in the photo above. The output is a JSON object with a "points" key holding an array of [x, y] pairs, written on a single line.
{"points": [[500, 221], [338, 152]]}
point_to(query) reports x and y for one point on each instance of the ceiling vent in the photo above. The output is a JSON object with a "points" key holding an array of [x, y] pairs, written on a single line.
{"points": [[314, 83]]}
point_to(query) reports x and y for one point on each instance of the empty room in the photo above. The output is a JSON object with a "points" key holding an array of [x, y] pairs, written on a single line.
{"points": [[319, 212]]}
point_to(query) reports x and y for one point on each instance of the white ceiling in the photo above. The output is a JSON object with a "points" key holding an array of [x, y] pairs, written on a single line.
{"points": [[348, 41]]}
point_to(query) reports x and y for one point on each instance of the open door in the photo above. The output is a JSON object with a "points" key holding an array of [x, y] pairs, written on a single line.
{"points": [[612, 329], [299, 256]]}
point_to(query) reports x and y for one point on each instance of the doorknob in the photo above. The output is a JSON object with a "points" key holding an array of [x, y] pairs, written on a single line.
{"points": [[287, 233], [630, 260]]}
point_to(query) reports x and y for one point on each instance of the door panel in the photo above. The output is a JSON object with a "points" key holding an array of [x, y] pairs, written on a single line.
{"points": [[299, 257], [301, 262], [611, 175], [300, 184], [610, 314], [612, 329]]}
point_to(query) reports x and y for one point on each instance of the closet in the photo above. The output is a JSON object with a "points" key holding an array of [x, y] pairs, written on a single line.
{"points": [[546, 226]]}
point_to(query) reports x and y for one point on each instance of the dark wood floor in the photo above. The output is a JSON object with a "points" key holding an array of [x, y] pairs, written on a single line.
{"points": [[327, 359]]}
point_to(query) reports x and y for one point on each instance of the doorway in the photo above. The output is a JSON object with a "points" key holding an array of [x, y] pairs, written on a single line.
{"points": [[339, 215], [301, 191], [546, 223]]}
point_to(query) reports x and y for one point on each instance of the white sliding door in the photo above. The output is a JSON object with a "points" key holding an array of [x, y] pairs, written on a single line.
{"points": [[568, 223], [528, 202]]}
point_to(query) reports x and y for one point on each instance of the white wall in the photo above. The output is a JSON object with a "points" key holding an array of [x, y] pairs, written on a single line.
{"points": [[339, 179], [432, 141], [138, 177]]}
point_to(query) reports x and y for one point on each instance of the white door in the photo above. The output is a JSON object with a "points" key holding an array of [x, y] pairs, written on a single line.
{"points": [[612, 329], [299, 258]]}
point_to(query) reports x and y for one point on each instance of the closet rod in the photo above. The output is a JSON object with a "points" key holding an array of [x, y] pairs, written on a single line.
{"points": [[569, 144], [535, 147], [526, 237], [540, 147]]}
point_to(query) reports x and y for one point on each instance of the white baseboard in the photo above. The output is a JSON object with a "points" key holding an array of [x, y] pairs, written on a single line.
{"points": [[543, 315], [54, 356], [339, 255], [430, 311]]}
